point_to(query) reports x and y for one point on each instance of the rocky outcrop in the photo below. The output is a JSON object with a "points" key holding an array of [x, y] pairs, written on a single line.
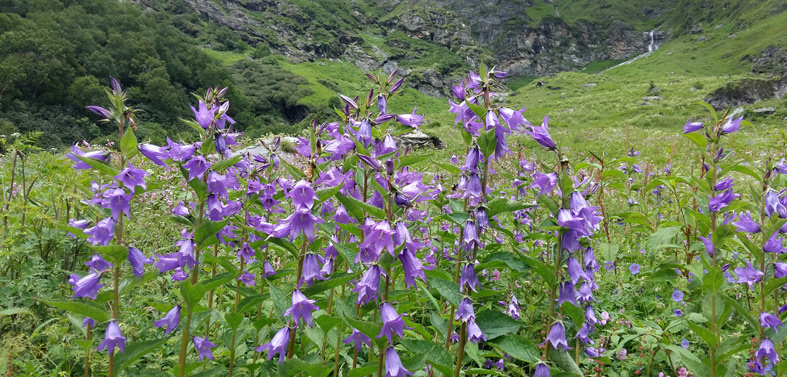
{"points": [[772, 60], [747, 92]]}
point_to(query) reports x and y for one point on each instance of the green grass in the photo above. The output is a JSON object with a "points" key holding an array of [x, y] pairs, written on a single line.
{"points": [[225, 57], [596, 11]]}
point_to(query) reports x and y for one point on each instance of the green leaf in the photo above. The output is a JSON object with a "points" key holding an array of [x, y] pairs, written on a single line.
{"points": [[83, 308], [233, 319], [207, 230], [326, 193], [704, 333], [478, 110], [502, 258], [136, 351], [356, 207], [691, 361], [541, 269], [697, 138], [222, 165], [663, 237], [101, 166], [128, 145], [451, 169], [712, 111], [487, 141], [564, 361], [494, 323], [335, 281], [192, 294], [448, 289], [774, 284], [280, 302], [713, 280], [370, 329], [12, 311], [366, 370], [500, 205], [666, 274], [411, 160], [519, 347], [116, 254]]}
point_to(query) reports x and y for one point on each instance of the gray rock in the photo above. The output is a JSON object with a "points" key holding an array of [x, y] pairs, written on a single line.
{"points": [[765, 110], [719, 26], [418, 139], [747, 92], [590, 85], [693, 89], [702, 39], [652, 98], [732, 36], [562, 95], [654, 89]]}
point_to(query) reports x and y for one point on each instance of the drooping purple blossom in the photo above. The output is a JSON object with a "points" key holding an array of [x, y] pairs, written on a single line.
{"points": [[369, 285], [86, 286], [392, 323], [138, 261], [393, 365], [748, 275], [248, 279], [98, 263], [769, 320], [203, 346], [474, 333], [301, 307], [132, 177], [113, 338], [469, 278], [171, 320], [277, 345], [102, 233], [358, 339], [746, 224], [557, 336], [767, 350], [465, 311]]}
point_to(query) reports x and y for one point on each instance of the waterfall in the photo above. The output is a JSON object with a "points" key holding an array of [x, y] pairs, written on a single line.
{"points": [[651, 47], [652, 44]]}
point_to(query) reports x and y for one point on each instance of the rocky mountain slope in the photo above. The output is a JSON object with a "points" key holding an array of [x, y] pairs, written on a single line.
{"points": [[436, 39]]}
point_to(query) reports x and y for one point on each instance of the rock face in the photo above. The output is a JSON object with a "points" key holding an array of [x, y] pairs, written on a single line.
{"points": [[365, 33], [772, 60], [746, 92]]}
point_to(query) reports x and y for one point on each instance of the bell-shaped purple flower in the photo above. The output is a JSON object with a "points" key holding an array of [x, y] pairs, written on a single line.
{"points": [[132, 177], [97, 263], [196, 167], [358, 339], [102, 232], [203, 116], [473, 187], [718, 202], [98, 110], [247, 278], [746, 224], [731, 126], [86, 286], [557, 336], [541, 134], [154, 153], [393, 365], [302, 221], [412, 268], [470, 238], [774, 205], [277, 345], [769, 320], [708, 242], [465, 311], [138, 261], [113, 338], [474, 333], [392, 323], [81, 165], [474, 156], [203, 346], [301, 307], [411, 120], [767, 350], [369, 285], [567, 293], [692, 127], [774, 244], [302, 195], [171, 320], [267, 270], [469, 279], [311, 270], [542, 370], [748, 275]]}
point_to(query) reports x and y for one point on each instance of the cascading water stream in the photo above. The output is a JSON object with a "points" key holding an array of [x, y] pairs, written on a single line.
{"points": [[651, 48]]}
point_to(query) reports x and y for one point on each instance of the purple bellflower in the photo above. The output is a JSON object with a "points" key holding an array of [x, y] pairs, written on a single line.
{"points": [[768, 320], [557, 336], [767, 349], [86, 286], [369, 285], [465, 311], [748, 275], [392, 323], [203, 346], [102, 232], [393, 364], [171, 320], [301, 307], [113, 338], [474, 333], [277, 345], [132, 177], [138, 261], [358, 339]]}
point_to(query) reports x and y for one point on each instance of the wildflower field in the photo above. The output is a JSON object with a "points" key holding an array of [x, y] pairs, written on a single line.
{"points": [[517, 250]]}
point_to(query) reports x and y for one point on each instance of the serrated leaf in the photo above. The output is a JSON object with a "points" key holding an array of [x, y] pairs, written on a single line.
{"points": [[447, 289], [322, 286], [519, 347], [83, 308], [494, 323], [500, 205], [128, 145], [100, 166], [192, 294], [136, 351], [207, 230]]}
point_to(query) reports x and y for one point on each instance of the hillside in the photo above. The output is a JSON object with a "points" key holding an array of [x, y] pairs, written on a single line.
{"points": [[285, 60]]}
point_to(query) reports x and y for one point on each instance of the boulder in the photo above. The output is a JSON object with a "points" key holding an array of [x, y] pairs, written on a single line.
{"points": [[652, 98], [765, 110], [418, 139], [590, 85]]}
